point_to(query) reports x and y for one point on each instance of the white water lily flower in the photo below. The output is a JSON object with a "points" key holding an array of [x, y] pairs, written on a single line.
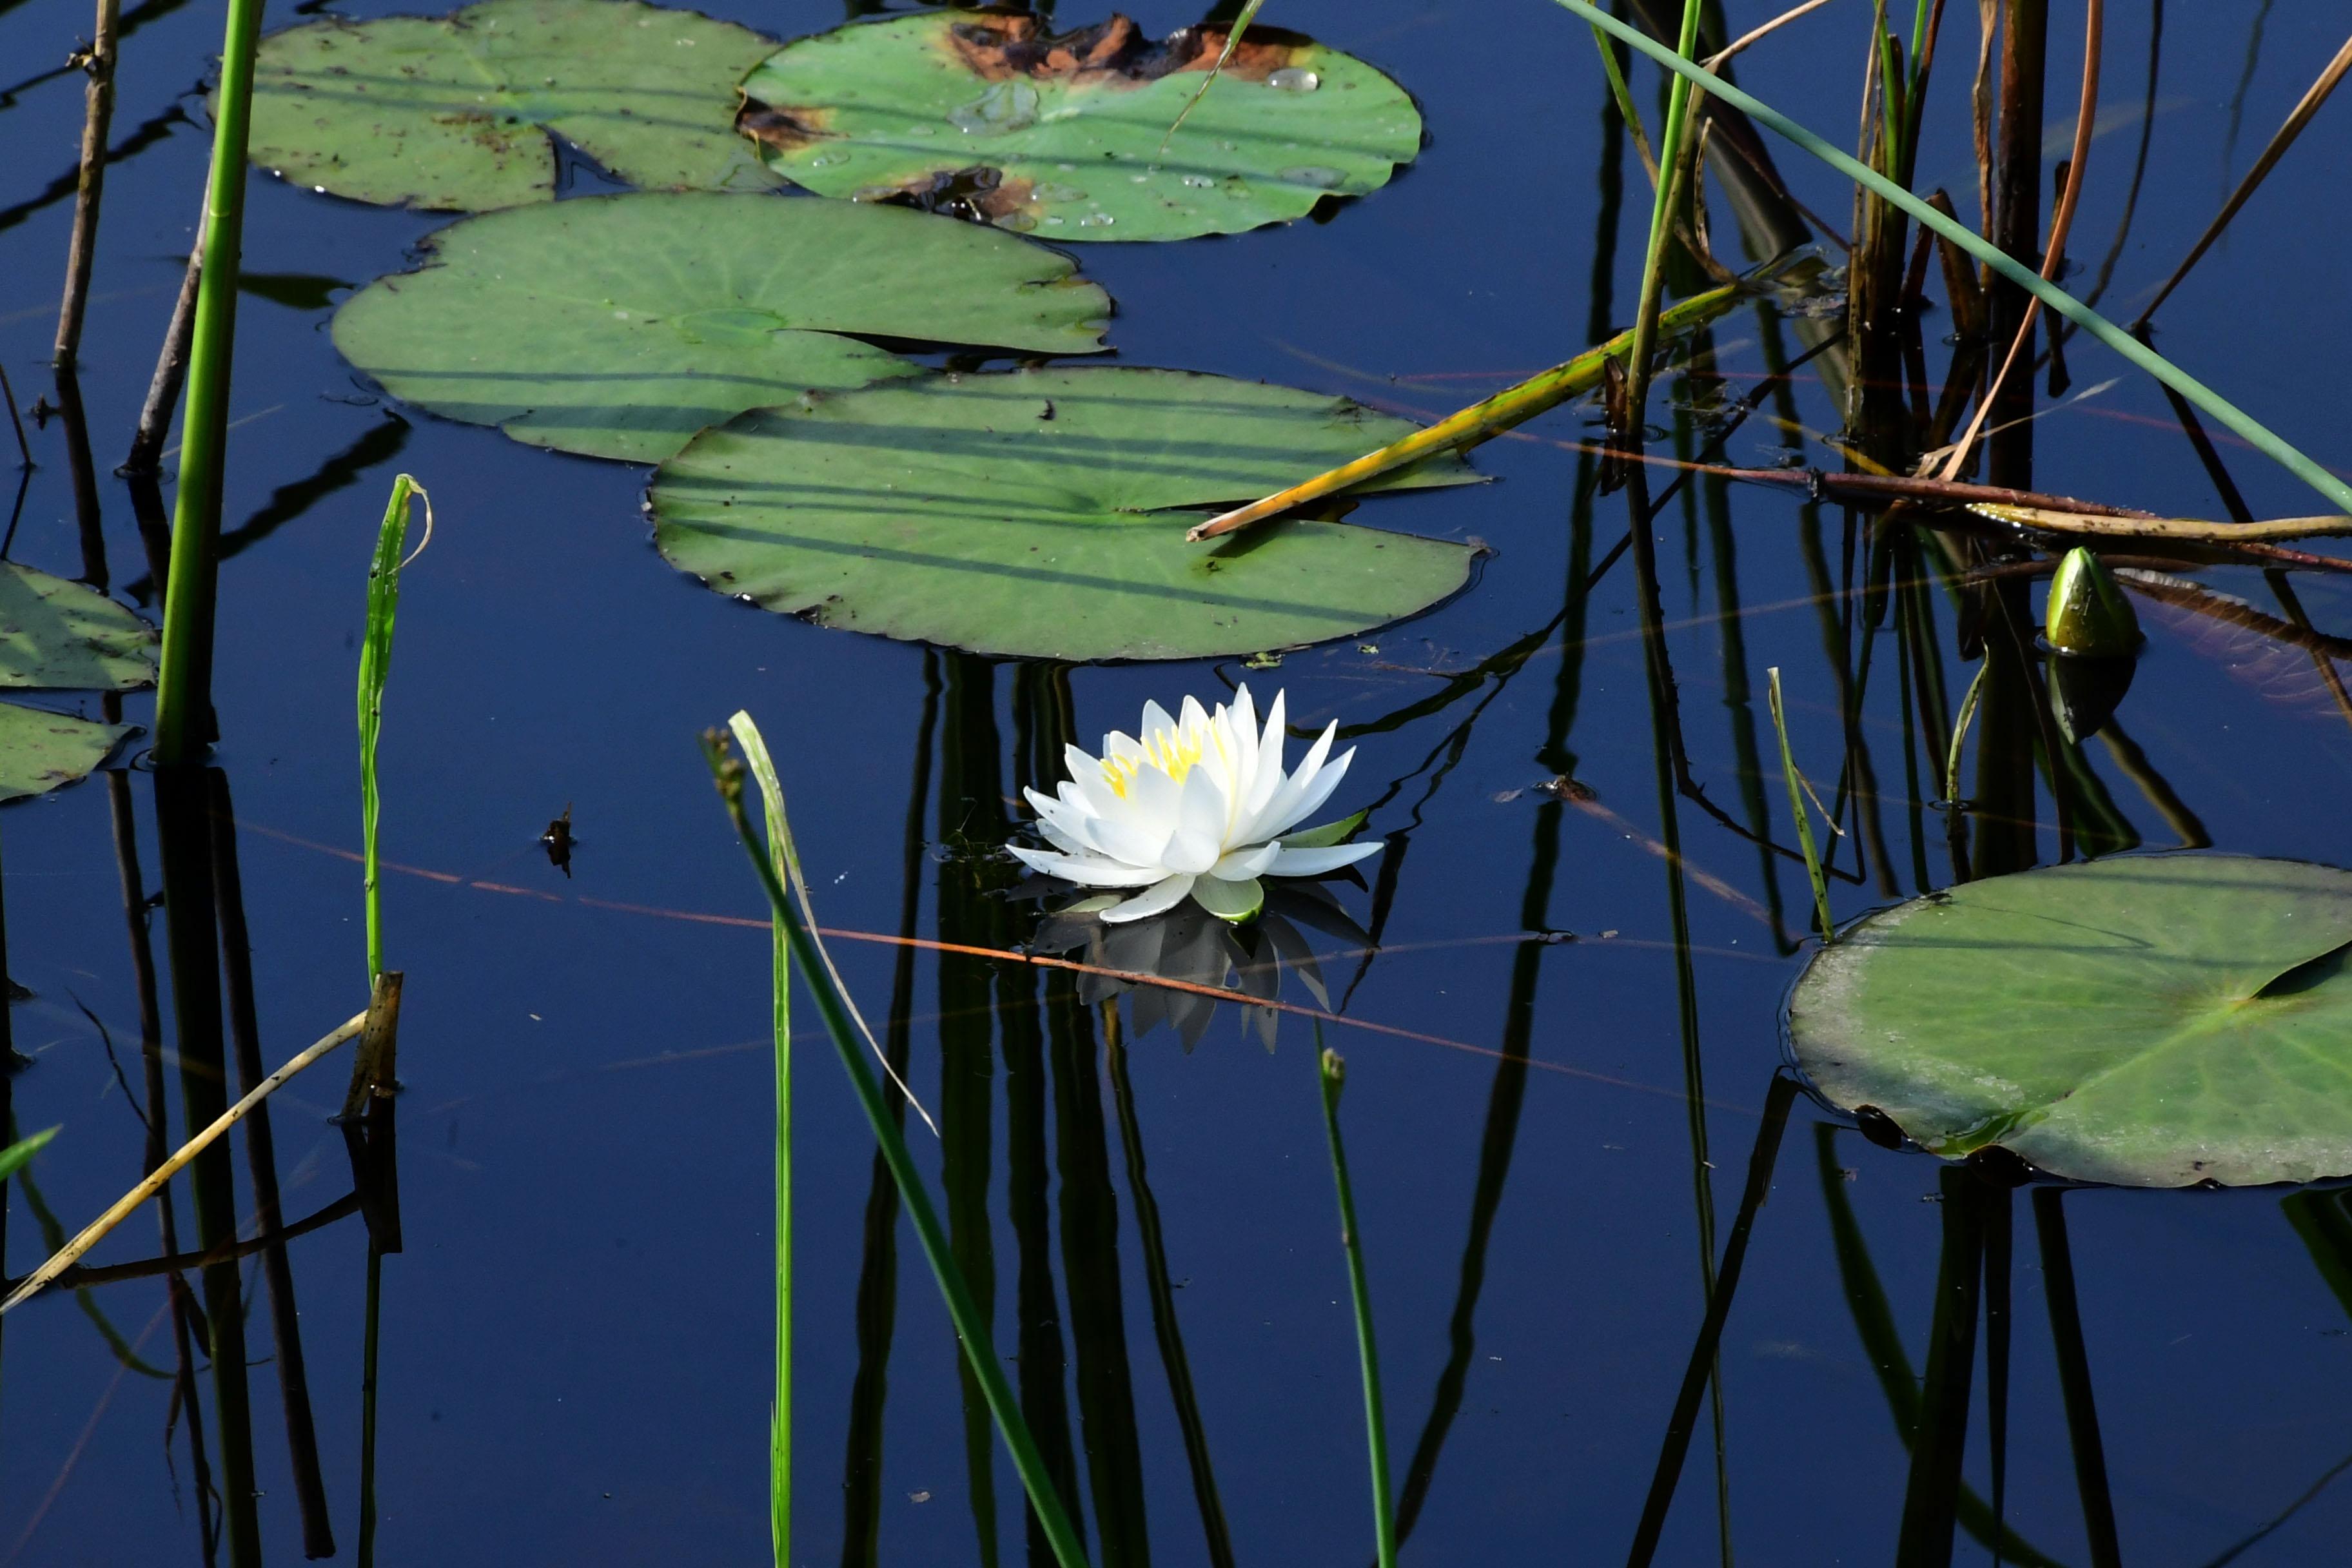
{"points": [[1198, 807]]}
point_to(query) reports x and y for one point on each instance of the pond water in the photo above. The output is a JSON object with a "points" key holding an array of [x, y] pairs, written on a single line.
{"points": [[1550, 1118]]}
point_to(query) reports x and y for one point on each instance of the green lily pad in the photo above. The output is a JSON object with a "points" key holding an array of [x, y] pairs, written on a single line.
{"points": [[2148, 1020], [461, 112], [40, 750], [988, 115], [1020, 513], [618, 326], [58, 634]]}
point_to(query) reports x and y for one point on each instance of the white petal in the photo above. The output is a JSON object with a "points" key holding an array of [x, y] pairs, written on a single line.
{"points": [[1246, 749], [1200, 837], [1162, 895], [1086, 870], [1319, 790], [1314, 862], [1241, 865], [1269, 759], [1156, 722], [1284, 809], [1119, 743], [1195, 717]]}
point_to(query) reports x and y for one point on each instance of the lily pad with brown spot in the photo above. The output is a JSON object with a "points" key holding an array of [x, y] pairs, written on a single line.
{"points": [[462, 113], [989, 115], [1027, 513]]}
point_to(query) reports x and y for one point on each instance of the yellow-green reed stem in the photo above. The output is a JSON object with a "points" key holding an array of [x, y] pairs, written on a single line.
{"points": [[1489, 417], [375, 667], [1671, 164], [184, 683], [971, 1330], [780, 1414], [1333, 1071], [1797, 809], [2131, 349]]}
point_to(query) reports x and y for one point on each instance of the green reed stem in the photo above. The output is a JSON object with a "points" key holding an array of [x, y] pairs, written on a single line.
{"points": [[375, 668], [979, 1348], [184, 683], [780, 1414], [2131, 349], [1662, 213], [1959, 739], [17, 1155], [1797, 809], [1333, 1070]]}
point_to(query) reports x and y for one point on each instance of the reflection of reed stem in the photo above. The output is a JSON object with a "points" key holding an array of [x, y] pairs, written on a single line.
{"points": [[1333, 1074]]}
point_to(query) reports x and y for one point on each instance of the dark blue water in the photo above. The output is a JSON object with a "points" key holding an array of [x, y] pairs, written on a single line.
{"points": [[576, 1342]]}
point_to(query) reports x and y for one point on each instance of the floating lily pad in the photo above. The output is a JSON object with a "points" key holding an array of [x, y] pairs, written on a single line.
{"points": [[58, 634], [988, 115], [2151, 1020], [1019, 513], [618, 326], [40, 750], [461, 112]]}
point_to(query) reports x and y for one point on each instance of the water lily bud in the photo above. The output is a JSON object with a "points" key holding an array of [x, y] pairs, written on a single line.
{"points": [[2088, 615]]}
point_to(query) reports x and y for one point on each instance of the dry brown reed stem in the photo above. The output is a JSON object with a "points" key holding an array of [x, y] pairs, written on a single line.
{"points": [[1980, 126], [95, 1231], [2175, 530], [2093, 25], [82, 251], [146, 455], [1714, 62], [2297, 118]]}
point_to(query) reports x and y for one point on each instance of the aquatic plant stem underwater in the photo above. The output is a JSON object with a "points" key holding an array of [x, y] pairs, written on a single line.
{"points": [[979, 1348], [1331, 1069], [2256, 434], [184, 680]]}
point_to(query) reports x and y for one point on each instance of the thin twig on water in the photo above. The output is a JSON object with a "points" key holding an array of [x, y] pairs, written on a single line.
{"points": [[82, 249]]}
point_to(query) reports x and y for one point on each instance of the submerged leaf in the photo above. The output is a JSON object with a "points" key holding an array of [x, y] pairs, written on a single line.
{"points": [[987, 115], [1010, 513], [618, 326], [457, 112], [2150, 1020]]}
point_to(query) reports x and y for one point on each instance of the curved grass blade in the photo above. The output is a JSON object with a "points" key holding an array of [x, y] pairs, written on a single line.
{"points": [[979, 1348], [2269, 443], [1233, 42]]}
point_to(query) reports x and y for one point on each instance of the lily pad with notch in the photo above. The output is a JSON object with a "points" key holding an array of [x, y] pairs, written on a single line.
{"points": [[619, 326], [59, 635], [2145, 1020], [463, 112], [989, 115], [1024, 514]]}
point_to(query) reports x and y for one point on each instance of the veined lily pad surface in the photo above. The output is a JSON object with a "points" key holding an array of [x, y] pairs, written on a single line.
{"points": [[462, 113], [61, 635], [2155, 1020], [618, 326], [993, 117], [1020, 513]]}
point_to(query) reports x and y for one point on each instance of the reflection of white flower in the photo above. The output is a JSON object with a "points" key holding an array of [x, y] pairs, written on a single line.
{"points": [[1198, 807]]}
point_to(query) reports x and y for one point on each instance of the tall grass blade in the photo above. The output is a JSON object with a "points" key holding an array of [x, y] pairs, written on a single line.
{"points": [[183, 681], [979, 1349], [375, 668], [780, 1414], [1797, 809], [1224, 57], [16, 1155], [1672, 161], [2056, 298], [1333, 1073]]}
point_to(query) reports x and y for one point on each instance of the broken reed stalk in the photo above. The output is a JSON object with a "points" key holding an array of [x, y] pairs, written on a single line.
{"points": [[95, 1231], [146, 455], [1959, 739], [780, 980], [1332, 1070], [2284, 138], [2061, 226], [1797, 809], [375, 667], [2180, 529], [971, 1330], [82, 248], [2138, 354], [184, 680], [1487, 418]]}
